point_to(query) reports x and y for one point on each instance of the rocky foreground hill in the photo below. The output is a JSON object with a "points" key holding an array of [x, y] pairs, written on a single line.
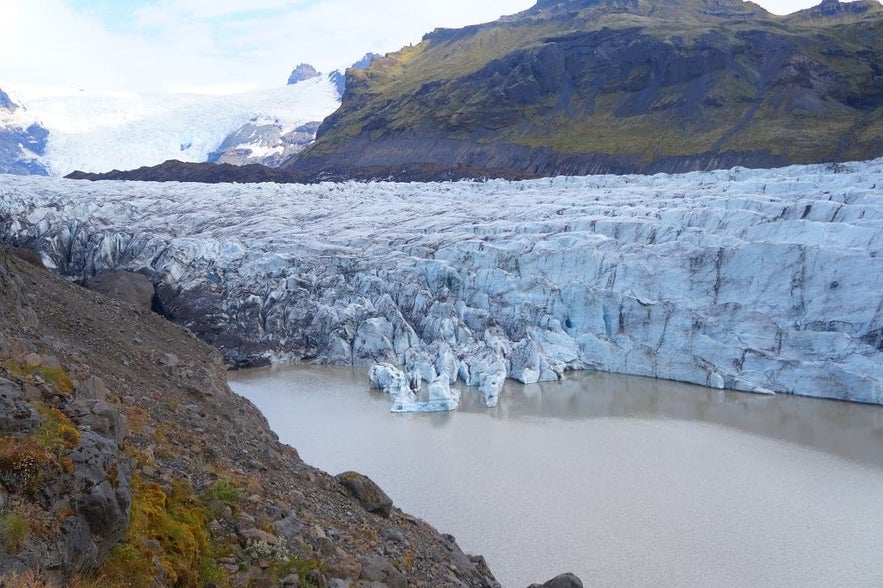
{"points": [[621, 86], [125, 460]]}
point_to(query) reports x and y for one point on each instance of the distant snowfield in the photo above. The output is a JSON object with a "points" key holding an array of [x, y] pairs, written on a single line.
{"points": [[101, 131], [753, 280]]}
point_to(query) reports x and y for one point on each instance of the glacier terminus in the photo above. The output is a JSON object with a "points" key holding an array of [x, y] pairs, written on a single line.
{"points": [[766, 281]]}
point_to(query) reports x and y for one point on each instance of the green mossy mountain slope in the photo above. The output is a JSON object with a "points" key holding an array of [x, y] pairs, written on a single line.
{"points": [[587, 86]]}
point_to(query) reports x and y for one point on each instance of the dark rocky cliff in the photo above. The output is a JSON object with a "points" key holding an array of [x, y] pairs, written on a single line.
{"points": [[587, 86], [181, 171]]}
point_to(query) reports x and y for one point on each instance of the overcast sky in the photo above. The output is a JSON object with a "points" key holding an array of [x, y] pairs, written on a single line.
{"points": [[219, 45]]}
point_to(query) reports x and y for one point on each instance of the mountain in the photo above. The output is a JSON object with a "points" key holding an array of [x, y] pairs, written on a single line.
{"points": [[339, 78], [753, 280], [21, 143], [301, 73], [6, 102], [835, 10], [57, 131], [269, 143], [587, 86], [305, 71]]}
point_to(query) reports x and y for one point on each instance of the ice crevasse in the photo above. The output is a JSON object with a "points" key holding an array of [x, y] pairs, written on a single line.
{"points": [[752, 280]]}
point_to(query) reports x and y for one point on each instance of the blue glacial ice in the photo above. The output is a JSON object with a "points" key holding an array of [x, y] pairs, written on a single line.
{"points": [[752, 280]]}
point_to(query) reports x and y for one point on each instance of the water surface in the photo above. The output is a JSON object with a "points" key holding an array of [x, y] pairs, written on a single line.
{"points": [[625, 481]]}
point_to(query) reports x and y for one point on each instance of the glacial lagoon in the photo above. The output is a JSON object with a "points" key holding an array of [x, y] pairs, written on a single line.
{"points": [[624, 481]]}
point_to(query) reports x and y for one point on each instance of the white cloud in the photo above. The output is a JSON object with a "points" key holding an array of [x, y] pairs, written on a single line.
{"points": [[221, 45]]}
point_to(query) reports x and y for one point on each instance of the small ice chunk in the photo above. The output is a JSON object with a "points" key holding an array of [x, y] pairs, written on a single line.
{"points": [[393, 381]]}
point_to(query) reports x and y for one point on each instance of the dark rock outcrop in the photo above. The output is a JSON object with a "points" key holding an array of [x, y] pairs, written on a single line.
{"points": [[21, 146], [17, 417], [338, 78], [81, 475], [301, 73], [614, 86], [278, 145], [179, 171], [129, 287], [102, 498], [839, 11], [27, 255], [366, 61]]}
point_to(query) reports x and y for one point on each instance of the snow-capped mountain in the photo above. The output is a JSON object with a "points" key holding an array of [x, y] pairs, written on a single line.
{"points": [[271, 143], [305, 71], [22, 143], [54, 131], [268, 143], [754, 280], [62, 130], [301, 73]]}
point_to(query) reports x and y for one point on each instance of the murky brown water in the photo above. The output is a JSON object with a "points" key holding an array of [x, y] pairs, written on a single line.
{"points": [[624, 481]]}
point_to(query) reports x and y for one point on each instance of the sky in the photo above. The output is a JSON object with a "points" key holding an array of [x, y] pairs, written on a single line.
{"points": [[220, 46]]}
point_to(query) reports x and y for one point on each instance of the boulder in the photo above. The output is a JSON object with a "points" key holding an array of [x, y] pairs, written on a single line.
{"points": [[129, 287], [289, 528], [370, 495], [255, 534], [567, 580], [28, 256], [345, 567], [377, 569], [17, 417], [92, 389], [101, 417]]}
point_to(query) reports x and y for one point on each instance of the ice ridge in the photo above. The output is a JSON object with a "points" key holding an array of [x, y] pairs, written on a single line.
{"points": [[753, 280]]}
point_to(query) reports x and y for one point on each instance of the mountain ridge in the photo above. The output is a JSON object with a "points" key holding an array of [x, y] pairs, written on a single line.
{"points": [[620, 86], [174, 170]]}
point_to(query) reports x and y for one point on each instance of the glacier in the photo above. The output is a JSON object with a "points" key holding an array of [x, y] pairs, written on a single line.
{"points": [[767, 281], [97, 131]]}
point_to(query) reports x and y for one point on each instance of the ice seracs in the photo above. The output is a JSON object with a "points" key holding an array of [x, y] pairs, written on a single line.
{"points": [[752, 280], [393, 381], [405, 390]]}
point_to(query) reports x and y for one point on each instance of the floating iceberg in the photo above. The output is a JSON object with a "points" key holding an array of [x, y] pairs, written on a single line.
{"points": [[404, 390], [426, 406]]}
